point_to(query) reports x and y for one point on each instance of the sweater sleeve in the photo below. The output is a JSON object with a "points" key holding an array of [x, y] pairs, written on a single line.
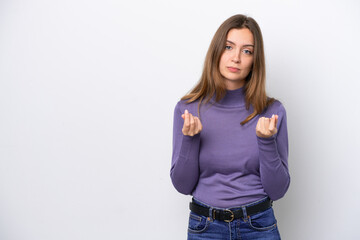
{"points": [[184, 171], [273, 158]]}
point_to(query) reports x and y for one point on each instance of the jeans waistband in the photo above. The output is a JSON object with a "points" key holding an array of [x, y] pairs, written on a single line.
{"points": [[232, 208], [229, 214]]}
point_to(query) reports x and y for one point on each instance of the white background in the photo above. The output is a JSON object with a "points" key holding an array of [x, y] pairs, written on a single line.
{"points": [[87, 92]]}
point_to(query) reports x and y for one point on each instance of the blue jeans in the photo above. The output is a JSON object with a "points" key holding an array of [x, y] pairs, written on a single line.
{"points": [[261, 225]]}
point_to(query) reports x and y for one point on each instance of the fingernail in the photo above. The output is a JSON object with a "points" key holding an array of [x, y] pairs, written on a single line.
{"points": [[186, 111], [272, 116]]}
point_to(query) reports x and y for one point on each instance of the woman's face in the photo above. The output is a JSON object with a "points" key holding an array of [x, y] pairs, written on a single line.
{"points": [[237, 59]]}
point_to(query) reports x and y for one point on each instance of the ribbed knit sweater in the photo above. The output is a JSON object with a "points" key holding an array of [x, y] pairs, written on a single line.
{"points": [[226, 164]]}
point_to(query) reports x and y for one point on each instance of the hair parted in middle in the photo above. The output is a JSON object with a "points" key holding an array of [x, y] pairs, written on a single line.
{"points": [[212, 82]]}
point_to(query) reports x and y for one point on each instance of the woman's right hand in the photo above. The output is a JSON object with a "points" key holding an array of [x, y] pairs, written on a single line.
{"points": [[192, 125]]}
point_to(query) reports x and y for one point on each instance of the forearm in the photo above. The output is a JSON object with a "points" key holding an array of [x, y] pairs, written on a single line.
{"points": [[274, 172], [185, 168]]}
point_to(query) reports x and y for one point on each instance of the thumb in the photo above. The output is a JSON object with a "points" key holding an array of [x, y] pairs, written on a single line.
{"points": [[272, 125]]}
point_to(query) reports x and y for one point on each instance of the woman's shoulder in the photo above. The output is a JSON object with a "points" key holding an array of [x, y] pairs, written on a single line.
{"points": [[192, 107], [277, 104], [276, 107]]}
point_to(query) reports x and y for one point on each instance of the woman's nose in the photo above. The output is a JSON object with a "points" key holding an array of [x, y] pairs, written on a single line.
{"points": [[236, 58]]}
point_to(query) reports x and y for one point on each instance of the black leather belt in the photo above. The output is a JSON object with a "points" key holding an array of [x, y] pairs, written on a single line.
{"points": [[229, 215]]}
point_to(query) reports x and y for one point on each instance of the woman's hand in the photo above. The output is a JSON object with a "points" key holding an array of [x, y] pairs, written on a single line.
{"points": [[192, 125], [266, 127]]}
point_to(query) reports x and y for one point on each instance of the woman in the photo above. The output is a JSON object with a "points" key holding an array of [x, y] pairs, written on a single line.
{"points": [[230, 144]]}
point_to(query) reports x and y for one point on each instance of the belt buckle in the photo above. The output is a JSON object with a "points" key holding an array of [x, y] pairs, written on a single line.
{"points": [[231, 215]]}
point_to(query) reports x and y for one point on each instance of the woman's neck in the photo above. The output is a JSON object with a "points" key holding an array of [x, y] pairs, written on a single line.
{"points": [[232, 98], [234, 84]]}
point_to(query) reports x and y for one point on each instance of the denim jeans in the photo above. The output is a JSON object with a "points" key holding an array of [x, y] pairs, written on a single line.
{"points": [[261, 225]]}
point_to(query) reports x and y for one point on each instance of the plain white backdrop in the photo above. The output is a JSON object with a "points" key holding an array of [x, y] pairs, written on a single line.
{"points": [[87, 92]]}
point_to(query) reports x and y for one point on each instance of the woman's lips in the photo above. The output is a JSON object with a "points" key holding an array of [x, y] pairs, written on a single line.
{"points": [[232, 69]]}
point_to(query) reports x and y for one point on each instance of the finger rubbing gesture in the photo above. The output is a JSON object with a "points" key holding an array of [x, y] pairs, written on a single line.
{"points": [[266, 127], [192, 125]]}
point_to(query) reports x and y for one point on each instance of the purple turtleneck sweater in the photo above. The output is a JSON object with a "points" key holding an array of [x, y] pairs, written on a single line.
{"points": [[226, 164]]}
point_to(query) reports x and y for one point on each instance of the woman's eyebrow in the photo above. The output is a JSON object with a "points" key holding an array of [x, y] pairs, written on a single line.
{"points": [[246, 45]]}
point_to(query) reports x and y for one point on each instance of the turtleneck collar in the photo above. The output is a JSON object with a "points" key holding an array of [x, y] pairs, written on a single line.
{"points": [[233, 98]]}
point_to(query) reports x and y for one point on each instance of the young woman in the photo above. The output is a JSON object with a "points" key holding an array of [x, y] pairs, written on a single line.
{"points": [[230, 143]]}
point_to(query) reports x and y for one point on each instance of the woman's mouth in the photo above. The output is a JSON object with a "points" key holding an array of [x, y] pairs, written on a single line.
{"points": [[232, 69]]}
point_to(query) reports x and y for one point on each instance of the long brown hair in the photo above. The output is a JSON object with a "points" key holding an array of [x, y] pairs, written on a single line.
{"points": [[212, 82]]}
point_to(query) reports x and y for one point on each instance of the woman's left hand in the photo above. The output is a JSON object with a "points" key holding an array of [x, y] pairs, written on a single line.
{"points": [[266, 127]]}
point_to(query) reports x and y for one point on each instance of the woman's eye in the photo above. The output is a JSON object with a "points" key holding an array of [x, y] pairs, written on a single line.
{"points": [[228, 47], [247, 51]]}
